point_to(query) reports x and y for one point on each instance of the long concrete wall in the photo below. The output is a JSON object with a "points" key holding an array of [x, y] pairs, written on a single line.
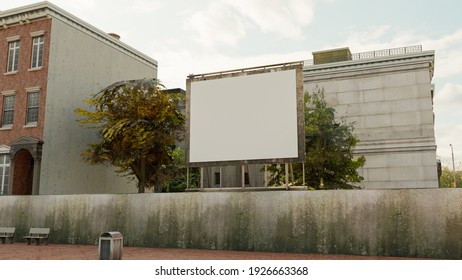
{"points": [[411, 223]]}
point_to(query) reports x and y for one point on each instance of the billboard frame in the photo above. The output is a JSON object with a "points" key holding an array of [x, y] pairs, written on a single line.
{"points": [[297, 66]]}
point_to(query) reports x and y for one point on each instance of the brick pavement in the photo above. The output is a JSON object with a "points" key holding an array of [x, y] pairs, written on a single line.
{"points": [[22, 251]]}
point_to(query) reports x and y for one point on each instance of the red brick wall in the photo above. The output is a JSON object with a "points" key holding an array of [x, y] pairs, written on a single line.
{"points": [[24, 78]]}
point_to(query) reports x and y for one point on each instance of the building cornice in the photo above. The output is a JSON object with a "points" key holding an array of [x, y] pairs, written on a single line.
{"points": [[43, 10], [379, 64]]}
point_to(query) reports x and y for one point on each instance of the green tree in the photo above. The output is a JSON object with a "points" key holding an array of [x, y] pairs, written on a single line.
{"points": [[329, 144], [176, 173], [447, 178], [139, 125]]}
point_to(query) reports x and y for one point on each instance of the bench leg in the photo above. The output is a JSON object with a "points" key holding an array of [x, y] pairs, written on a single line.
{"points": [[28, 241], [37, 241], [3, 239]]}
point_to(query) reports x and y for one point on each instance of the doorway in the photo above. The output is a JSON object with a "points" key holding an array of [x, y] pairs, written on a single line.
{"points": [[23, 173]]}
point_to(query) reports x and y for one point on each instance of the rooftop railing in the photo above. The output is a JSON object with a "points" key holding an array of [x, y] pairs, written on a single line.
{"points": [[379, 53]]}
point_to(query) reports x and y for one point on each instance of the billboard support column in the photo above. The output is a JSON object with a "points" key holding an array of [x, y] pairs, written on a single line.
{"points": [[248, 175], [221, 176], [202, 178], [243, 176], [266, 176]]}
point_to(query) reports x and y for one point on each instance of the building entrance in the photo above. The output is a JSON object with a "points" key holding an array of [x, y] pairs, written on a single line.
{"points": [[23, 173]]}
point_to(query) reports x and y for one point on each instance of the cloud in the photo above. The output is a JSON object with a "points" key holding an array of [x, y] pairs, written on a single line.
{"points": [[218, 24], [102, 8], [447, 107], [141, 7], [380, 37], [81, 6], [445, 42], [197, 63], [449, 134], [448, 63], [283, 17], [366, 40], [447, 104], [226, 22], [449, 95], [448, 53]]}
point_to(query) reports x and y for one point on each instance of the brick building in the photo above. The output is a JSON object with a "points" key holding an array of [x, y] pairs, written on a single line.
{"points": [[50, 61]]}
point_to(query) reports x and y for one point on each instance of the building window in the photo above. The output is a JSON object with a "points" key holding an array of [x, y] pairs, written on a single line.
{"points": [[32, 107], [217, 178], [13, 56], [4, 173], [8, 110], [37, 52]]}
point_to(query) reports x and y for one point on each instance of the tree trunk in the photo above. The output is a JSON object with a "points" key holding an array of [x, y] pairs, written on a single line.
{"points": [[292, 173], [142, 179], [141, 186]]}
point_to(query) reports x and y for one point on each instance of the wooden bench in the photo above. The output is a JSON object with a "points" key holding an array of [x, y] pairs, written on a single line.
{"points": [[37, 234], [7, 233]]}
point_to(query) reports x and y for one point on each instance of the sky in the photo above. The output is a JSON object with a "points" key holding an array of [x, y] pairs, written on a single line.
{"points": [[200, 36]]}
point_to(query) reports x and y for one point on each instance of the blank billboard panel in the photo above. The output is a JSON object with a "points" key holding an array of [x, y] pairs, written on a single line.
{"points": [[253, 116]]}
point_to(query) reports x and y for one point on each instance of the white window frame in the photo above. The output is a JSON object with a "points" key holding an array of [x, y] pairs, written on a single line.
{"points": [[5, 95], [13, 56], [38, 44], [35, 106], [4, 176]]}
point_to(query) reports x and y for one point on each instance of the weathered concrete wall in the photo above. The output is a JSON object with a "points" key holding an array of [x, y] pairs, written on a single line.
{"points": [[412, 222]]}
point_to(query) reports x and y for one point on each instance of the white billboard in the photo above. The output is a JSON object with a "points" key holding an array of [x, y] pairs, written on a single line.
{"points": [[250, 115]]}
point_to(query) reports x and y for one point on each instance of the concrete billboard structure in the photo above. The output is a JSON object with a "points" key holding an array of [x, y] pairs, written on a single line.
{"points": [[388, 96], [252, 115]]}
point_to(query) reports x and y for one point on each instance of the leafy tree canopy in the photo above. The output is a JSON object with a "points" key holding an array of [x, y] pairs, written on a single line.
{"points": [[447, 177], [329, 144], [139, 124]]}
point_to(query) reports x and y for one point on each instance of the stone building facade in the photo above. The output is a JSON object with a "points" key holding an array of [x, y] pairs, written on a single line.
{"points": [[388, 96], [50, 61]]}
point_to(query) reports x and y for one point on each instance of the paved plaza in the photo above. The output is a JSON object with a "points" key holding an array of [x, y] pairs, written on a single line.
{"points": [[22, 251]]}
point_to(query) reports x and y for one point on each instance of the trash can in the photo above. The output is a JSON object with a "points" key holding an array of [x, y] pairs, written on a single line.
{"points": [[111, 245]]}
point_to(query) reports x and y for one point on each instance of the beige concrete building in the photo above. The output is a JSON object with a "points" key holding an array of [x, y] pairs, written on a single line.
{"points": [[388, 95], [50, 61]]}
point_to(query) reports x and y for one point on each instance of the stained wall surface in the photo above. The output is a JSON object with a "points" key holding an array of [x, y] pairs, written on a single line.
{"points": [[409, 222]]}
